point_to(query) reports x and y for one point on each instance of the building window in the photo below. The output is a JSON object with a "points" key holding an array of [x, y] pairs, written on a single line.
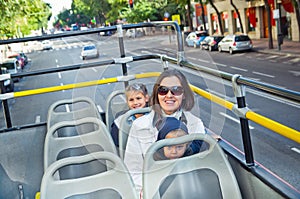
{"points": [[225, 21], [236, 22], [251, 14]]}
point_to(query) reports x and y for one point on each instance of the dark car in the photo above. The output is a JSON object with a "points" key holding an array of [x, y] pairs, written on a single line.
{"points": [[211, 42]]}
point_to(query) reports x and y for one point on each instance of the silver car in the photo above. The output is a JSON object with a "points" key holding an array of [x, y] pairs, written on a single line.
{"points": [[233, 43]]}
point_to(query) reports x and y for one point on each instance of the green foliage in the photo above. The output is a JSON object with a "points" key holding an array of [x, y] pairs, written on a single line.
{"points": [[18, 18]]}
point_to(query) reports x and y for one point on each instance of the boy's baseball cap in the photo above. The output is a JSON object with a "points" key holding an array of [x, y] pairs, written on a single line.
{"points": [[168, 124]]}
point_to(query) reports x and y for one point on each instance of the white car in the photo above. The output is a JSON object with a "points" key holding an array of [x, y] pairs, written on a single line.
{"points": [[233, 43], [46, 45], [89, 51]]}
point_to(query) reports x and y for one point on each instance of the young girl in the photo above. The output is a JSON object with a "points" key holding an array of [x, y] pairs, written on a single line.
{"points": [[136, 97]]}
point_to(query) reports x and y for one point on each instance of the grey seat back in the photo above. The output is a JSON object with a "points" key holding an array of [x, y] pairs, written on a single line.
{"points": [[113, 107], [71, 109], [206, 174], [111, 184], [125, 126], [75, 138]]}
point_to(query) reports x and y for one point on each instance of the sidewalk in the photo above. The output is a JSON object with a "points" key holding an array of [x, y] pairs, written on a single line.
{"points": [[288, 47]]}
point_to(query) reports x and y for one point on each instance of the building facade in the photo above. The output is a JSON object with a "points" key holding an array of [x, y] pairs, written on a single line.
{"points": [[254, 19]]}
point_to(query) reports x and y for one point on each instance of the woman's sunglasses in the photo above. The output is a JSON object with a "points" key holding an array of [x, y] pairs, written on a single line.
{"points": [[175, 90]]}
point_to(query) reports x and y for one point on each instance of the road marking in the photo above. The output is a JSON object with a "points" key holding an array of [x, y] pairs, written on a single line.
{"points": [[95, 70], [220, 64], [296, 73], [295, 60], [56, 60], [271, 57], [67, 108], [202, 60], [38, 119], [62, 85], [236, 68], [233, 119], [59, 75], [295, 149], [263, 74]]}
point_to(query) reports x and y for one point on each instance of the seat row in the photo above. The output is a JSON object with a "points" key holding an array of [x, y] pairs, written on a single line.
{"points": [[80, 156], [81, 161]]}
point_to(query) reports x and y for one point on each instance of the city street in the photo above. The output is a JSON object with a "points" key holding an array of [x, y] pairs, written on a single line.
{"points": [[254, 65]]}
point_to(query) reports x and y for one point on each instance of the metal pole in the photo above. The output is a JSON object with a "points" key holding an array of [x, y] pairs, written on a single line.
{"points": [[122, 51], [241, 110]]}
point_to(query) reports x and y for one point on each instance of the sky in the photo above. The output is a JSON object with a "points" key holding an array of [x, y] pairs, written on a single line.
{"points": [[57, 7]]}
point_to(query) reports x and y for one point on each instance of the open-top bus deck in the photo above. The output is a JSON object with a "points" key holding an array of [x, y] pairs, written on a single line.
{"points": [[23, 144]]}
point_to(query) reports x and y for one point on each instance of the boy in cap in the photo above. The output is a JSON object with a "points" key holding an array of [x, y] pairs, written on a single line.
{"points": [[170, 127]]}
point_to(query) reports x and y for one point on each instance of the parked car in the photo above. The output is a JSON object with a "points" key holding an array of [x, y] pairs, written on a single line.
{"points": [[233, 43], [210, 43], [46, 45], [89, 51], [9, 83], [12, 66], [18, 57], [194, 38]]}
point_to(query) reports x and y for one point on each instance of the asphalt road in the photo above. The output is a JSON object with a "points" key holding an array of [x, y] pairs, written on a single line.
{"points": [[271, 150]]}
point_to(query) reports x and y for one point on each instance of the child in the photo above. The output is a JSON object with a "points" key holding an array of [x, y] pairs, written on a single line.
{"points": [[136, 97], [170, 127]]}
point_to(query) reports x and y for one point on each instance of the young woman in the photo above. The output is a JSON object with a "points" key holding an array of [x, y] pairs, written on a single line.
{"points": [[136, 97], [171, 97]]}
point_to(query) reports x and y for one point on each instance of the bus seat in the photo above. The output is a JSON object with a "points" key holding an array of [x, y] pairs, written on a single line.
{"points": [[81, 107], [114, 183], [125, 126], [73, 139], [113, 107], [206, 174]]}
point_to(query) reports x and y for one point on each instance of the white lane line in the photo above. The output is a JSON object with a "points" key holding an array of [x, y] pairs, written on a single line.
{"points": [[202, 60], [62, 85], [236, 68], [38, 119], [263, 74], [271, 57], [59, 75], [95, 70], [67, 108], [221, 64], [233, 119], [295, 149], [56, 60]]}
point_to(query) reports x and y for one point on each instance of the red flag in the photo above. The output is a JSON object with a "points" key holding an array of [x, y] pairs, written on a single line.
{"points": [[252, 16], [287, 5]]}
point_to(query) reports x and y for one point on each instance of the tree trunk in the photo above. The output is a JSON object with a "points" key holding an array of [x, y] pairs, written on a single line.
{"points": [[219, 17], [269, 24], [203, 15], [189, 18], [239, 16], [297, 12]]}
